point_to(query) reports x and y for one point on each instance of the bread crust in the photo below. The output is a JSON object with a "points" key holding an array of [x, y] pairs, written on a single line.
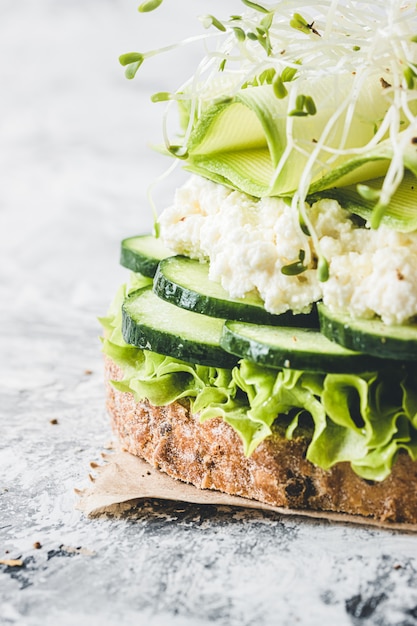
{"points": [[209, 455]]}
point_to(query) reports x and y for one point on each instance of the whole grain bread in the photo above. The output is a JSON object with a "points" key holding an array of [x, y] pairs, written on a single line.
{"points": [[209, 455]]}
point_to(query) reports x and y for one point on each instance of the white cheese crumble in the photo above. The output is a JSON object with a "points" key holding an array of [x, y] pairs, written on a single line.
{"points": [[248, 241]]}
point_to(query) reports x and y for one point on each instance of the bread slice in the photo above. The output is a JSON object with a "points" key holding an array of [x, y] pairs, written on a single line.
{"points": [[209, 455]]}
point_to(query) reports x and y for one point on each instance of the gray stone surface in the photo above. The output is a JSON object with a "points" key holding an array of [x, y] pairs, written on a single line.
{"points": [[74, 173]]}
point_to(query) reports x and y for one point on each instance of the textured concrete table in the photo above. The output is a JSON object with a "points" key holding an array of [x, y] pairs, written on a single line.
{"points": [[74, 174]]}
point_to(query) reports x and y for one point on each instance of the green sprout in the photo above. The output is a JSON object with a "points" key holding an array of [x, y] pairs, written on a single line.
{"points": [[210, 20], [304, 105], [323, 269], [132, 61], [239, 33], [300, 23], [255, 6], [297, 267], [149, 5], [161, 96], [279, 88]]}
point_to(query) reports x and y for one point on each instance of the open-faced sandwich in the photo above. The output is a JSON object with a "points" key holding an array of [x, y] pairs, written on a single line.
{"points": [[266, 344]]}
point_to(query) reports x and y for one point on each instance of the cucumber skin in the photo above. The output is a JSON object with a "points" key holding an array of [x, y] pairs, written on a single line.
{"points": [[267, 356], [215, 307], [140, 265], [146, 338], [138, 260], [383, 347]]}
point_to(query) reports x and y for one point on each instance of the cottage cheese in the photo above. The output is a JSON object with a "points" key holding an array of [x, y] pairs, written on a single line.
{"points": [[247, 241]]}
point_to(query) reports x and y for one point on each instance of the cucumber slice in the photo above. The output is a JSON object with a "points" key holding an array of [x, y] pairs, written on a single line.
{"points": [[152, 324], [142, 254], [371, 336], [293, 348], [185, 283]]}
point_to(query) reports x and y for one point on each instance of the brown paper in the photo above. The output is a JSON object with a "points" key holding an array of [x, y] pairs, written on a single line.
{"points": [[123, 481]]}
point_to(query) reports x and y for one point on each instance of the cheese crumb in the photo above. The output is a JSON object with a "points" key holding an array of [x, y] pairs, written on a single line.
{"points": [[248, 241]]}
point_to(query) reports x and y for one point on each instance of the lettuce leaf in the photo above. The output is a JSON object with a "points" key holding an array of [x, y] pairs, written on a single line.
{"points": [[364, 420]]}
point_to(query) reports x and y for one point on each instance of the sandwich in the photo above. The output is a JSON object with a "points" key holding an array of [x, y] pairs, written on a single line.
{"points": [[265, 341]]}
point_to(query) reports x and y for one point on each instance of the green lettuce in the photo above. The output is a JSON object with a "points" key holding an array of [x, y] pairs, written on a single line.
{"points": [[364, 420]]}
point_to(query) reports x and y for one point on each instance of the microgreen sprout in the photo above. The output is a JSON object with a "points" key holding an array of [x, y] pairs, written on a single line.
{"points": [[300, 23], [299, 106], [239, 33], [310, 105], [178, 151], [289, 73], [347, 49], [255, 6], [303, 226], [162, 96], [322, 269], [297, 267], [210, 20], [150, 5], [132, 61], [264, 39], [266, 22], [377, 214], [304, 105], [409, 76], [279, 88]]}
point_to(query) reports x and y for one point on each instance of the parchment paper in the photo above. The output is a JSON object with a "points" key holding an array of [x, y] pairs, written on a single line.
{"points": [[123, 481]]}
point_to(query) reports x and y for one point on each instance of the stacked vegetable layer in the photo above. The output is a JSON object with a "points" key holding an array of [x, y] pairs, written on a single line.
{"points": [[299, 104], [177, 335]]}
